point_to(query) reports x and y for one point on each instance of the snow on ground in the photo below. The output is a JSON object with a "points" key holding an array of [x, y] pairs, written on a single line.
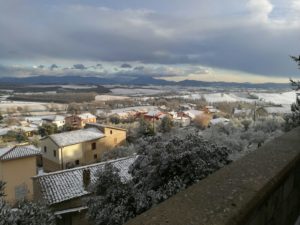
{"points": [[110, 97], [279, 110], [30, 106], [277, 98], [220, 97]]}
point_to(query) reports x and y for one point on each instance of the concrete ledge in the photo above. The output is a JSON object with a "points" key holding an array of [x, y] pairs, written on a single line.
{"points": [[261, 188]]}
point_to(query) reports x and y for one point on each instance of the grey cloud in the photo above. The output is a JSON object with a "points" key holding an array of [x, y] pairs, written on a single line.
{"points": [[53, 66], [79, 67], [210, 38], [126, 65], [139, 68]]}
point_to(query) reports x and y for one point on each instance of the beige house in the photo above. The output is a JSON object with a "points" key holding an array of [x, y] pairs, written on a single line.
{"points": [[79, 121], [65, 199], [17, 166], [80, 147]]}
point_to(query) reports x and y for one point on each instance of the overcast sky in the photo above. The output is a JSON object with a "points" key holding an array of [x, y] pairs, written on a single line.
{"points": [[218, 40]]}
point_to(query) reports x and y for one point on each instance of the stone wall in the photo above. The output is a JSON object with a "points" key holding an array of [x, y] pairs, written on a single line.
{"points": [[262, 188]]}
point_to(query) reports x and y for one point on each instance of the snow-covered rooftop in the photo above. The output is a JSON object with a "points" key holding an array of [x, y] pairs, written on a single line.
{"points": [[77, 136], [18, 152], [85, 116], [193, 113], [64, 185], [54, 118], [153, 113]]}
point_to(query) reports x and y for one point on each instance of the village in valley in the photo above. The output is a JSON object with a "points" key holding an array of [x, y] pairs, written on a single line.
{"points": [[52, 152]]}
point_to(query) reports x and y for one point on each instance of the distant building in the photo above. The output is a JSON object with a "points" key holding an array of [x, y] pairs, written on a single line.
{"points": [[154, 115], [210, 109], [193, 113], [65, 199], [58, 120], [80, 147], [17, 165], [79, 121]]}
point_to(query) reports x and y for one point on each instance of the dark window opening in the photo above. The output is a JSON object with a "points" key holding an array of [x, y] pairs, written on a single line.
{"points": [[94, 146], [110, 131], [95, 156], [54, 153], [45, 149], [77, 162]]}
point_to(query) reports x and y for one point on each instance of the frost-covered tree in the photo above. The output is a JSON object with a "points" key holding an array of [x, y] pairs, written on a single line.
{"points": [[25, 212], [145, 128], [293, 120], [113, 202], [166, 124], [162, 169], [29, 213], [119, 152], [48, 129], [7, 216]]}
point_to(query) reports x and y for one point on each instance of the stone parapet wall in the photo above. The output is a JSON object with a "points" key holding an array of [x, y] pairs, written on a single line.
{"points": [[262, 188]]}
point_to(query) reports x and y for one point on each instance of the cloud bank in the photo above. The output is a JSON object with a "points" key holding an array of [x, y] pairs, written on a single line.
{"points": [[149, 37]]}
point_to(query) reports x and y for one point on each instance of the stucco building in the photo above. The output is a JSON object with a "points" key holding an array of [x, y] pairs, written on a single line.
{"points": [[17, 165], [80, 147], [63, 190], [79, 121]]}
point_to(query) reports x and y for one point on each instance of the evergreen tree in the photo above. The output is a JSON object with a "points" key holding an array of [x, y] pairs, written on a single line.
{"points": [[113, 202], [293, 120], [25, 213], [166, 124], [162, 169]]}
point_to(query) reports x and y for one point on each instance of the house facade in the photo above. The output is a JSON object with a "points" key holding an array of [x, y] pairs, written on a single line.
{"points": [[57, 120], [80, 147], [17, 165], [79, 121]]}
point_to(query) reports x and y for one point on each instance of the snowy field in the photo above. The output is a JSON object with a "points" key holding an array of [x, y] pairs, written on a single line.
{"points": [[277, 98], [285, 98], [279, 110], [30, 106], [110, 97]]}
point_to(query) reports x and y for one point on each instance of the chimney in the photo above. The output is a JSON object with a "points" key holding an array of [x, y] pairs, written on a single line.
{"points": [[86, 178]]}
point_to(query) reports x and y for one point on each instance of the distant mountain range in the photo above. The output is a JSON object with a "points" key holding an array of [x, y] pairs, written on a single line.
{"points": [[135, 81]]}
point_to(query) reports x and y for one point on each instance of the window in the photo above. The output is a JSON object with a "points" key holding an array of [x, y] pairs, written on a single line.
{"points": [[45, 149], [110, 131], [95, 156], [54, 153], [77, 162], [94, 146]]}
